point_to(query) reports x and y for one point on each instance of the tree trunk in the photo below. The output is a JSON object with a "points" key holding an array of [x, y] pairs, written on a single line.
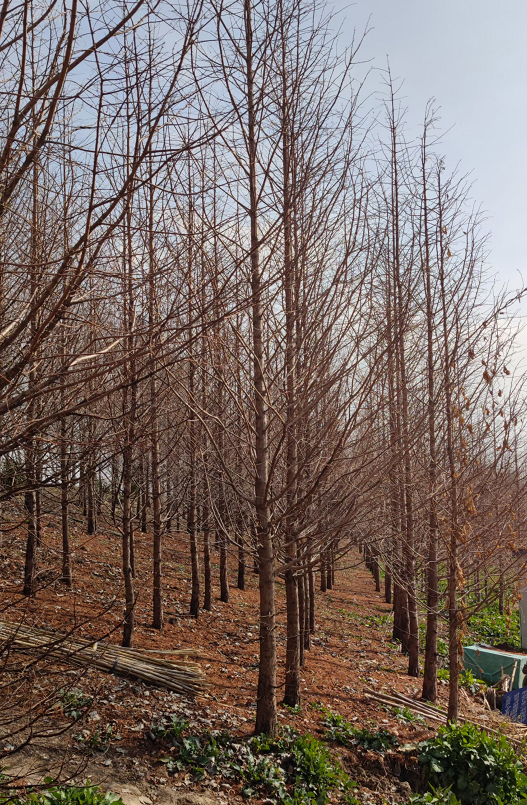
{"points": [[157, 602], [127, 540], [376, 572], [224, 580], [387, 584], [241, 564], [266, 714], [194, 560], [453, 620], [430, 668], [64, 506], [311, 578], [30, 566], [207, 599], [301, 616], [323, 577]]}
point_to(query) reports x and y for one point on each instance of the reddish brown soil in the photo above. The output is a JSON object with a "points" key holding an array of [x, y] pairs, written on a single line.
{"points": [[350, 651]]}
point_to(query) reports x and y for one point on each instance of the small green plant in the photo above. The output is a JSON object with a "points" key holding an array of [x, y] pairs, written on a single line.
{"points": [[308, 766], [99, 740], [315, 771], [368, 620], [479, 769], [437, 796], [68, 795], [405, 715], [262, 774], [466, 680], [442, 647], [344, 733], [203, 754], [469, 681], [171, 730], [74, 703], [295, 710], [377, 620]]}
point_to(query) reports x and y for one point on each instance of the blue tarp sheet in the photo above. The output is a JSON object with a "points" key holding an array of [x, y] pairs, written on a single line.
{"points": [[515, 705]]}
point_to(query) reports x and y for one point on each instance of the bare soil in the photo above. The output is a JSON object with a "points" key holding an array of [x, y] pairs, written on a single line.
{"points": [[351, 650]]}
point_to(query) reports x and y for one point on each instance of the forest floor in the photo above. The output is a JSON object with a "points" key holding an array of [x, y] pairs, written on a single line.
{"points": [[350, 651]]}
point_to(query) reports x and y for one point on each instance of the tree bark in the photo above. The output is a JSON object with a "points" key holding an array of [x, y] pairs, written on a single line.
{"points": [[266, 714]]}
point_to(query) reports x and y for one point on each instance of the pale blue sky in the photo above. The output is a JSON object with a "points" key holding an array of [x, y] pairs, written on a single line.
{"points": [[471, 56]]}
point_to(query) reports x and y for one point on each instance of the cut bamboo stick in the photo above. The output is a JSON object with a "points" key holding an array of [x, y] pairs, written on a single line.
{"points": [[182, 676], [428, 711]]}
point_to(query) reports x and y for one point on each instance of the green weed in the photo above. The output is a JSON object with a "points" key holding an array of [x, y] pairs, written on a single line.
{"points": [[479, 768], [436, 796], [74, 703], [290, 769], [294, 710], [342, 732], [368, 620], [488, 626], [99, 740], [405, 715], [171, 730], [466, 680], [68, 795]]}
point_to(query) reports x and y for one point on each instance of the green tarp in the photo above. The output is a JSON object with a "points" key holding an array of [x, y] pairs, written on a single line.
{"points": [[490, 663]]}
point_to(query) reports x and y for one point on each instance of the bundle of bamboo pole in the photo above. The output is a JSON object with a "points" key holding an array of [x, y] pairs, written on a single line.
{"points": [[181, 675], [434, 713], [397, 699]]}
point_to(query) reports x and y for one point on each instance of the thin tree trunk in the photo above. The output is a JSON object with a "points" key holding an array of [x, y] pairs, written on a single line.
{"points": [[292, 658], [307, 613], [453, 621], [430, 667], [30, 564], [157, 597], [207, 599], [407, 507], [311, 578], [128, 620], [323, 577], [194, 561], [266, 713], [224, 580], [241, 563], [301, 616], [64, 505], [376, 572]]}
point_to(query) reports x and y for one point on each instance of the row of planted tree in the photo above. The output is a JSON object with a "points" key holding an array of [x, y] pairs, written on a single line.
{"points": [[237, 305]]}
